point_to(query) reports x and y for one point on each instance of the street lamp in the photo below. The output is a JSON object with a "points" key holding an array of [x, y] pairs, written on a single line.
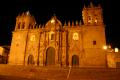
{"points": [[116, 50], [105, 47]]}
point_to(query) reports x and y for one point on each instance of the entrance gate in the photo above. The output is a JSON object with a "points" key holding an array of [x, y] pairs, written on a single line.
{"points": [[50, 56]]}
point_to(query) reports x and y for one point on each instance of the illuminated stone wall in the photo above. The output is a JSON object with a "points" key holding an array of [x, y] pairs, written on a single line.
{"points": [[72, 44], [111, 60]]}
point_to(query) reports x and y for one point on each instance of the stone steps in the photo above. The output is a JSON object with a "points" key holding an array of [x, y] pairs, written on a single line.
{"points": [[60, 73]]}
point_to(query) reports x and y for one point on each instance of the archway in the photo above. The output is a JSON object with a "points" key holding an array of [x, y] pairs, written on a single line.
{"points": [[30, 60], [75, 60], [50, 56]]}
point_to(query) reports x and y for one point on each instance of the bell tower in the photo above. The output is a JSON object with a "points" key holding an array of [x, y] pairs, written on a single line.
{"points": [[94, 38], [92, 15], [25, 21]]}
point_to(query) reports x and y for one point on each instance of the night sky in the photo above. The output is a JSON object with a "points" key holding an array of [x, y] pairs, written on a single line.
{"points": [[64, 10]]}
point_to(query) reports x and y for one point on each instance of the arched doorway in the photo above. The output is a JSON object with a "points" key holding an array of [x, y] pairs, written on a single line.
{"points": [[75, 60], [50, 56], [30, 60]]}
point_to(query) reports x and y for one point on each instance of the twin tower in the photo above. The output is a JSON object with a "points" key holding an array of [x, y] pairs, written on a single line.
{"points": [[57, 44]]}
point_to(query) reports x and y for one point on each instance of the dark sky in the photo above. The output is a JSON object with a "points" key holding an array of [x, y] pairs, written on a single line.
{"points": [[64, 10]]}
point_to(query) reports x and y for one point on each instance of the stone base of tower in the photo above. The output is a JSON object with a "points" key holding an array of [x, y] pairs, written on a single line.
{"points": [[94, 59], [14, 62]]}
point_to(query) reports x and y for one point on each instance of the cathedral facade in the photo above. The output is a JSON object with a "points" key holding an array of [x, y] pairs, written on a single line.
{"points": [[57, 44]]}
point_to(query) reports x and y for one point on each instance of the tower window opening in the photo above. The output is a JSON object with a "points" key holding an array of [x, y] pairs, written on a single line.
{"points": [[89, 19], [18, 26], [95, 20], [23, 25]]}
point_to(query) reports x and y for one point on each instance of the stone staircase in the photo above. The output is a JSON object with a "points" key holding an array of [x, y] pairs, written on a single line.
{"points": [[94, 74], [59, 73]]}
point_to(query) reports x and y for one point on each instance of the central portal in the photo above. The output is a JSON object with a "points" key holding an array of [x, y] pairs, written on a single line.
{"points": [[50, 56]]}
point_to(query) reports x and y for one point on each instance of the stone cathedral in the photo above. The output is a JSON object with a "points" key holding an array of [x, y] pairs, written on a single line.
{"points": [[56, 44]]}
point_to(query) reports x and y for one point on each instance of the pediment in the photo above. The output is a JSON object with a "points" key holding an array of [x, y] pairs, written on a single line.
{"points": [[53, 23]]}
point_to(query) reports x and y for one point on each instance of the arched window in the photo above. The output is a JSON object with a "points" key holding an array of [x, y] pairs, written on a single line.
{"points": [[18, 26], [30, 60], [96, 20], [52, 36], [23, 25], [89, 19], [75, 36]]}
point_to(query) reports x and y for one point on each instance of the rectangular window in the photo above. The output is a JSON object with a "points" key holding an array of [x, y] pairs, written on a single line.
{"points": [[94, 42], [52, 36]]}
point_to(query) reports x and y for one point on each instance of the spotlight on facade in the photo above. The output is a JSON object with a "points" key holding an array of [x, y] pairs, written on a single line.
{"points": [[105, 47], [109, 46], [116, 50], [52, 21], [1, 50]]}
